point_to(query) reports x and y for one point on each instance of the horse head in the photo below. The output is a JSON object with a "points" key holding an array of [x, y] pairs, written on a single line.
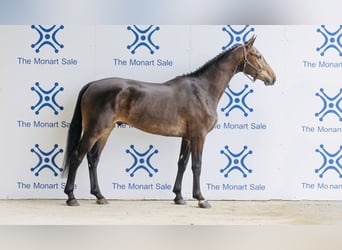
{"points": [[254, 64]]}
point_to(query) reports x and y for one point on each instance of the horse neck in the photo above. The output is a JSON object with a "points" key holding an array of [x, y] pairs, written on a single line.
{"points": [[219, 75]]}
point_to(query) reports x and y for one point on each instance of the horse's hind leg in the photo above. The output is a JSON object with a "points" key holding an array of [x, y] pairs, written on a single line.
{"points": [[182, 162], [93, 158], [75, 160]]}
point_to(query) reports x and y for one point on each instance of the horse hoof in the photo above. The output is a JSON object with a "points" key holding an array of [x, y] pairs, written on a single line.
{"points": [[180, 201], [204, 204], [102, 201], [72, 202]]}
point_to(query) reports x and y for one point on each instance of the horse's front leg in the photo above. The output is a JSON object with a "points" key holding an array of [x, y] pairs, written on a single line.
{"points": [[196, 155], [182, 162]]}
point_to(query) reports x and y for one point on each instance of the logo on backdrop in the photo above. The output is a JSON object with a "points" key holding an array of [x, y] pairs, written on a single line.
{"points": [[47, 98], [332, 40], [47, 38], [330, 105], [48, 42], [143, 38], [142, 161], [46, 160], [143, 41], [236, 161], [329, 48], [331, 109], [237, 100], [236, 35], [331, 161], [237, 103]]}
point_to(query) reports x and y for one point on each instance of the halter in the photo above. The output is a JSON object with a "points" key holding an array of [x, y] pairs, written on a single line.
{"points": [[246, 62]]}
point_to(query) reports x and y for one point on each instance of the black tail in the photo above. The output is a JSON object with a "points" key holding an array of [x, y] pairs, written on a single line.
{"points": [[74, 133]]}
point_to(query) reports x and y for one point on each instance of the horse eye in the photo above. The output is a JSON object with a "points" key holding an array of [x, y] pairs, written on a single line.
{"points": [[257, 54]]}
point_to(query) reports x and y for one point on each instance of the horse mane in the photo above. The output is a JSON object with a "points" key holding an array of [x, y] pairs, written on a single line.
{"points": [[212, 62]]}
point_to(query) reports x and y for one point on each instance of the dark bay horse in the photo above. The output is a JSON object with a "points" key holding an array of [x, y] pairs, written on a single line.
{"points": [[183, 107]]}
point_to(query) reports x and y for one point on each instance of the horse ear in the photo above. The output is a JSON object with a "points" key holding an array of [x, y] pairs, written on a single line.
{"points": [[250, 42]]}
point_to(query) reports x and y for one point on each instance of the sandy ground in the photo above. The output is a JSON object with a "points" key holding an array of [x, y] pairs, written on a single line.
{"points": [[156, 212], [155, 225]]}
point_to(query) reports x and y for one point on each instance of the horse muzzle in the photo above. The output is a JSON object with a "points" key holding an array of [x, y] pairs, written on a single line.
{"points": [[270, 81], [267, 76]]}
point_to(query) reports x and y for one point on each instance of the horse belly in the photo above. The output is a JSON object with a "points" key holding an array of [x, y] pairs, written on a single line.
{"points": [[159, 127], [167, 129]]}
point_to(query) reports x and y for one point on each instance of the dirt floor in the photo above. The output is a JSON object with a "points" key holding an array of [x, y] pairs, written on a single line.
{"points": [[156, 212], [155, 225]]}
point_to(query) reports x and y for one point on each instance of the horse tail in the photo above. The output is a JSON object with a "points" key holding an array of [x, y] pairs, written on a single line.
{"points": [[74, 132]]}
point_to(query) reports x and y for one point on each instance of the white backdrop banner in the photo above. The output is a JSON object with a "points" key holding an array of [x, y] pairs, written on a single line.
{"points": [[278, 142]]}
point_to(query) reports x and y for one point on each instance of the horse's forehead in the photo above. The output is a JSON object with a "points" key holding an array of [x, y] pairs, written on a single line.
{"points": [[255, 50], [256, 53]]}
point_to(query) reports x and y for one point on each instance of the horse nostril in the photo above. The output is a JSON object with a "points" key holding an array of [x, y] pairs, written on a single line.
{"points": [[270, 81]]}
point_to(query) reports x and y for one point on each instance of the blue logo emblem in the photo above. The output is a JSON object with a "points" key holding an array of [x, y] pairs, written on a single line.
{"points": [[237, 36], [47, 98], [236, 161], [141, 161], [332, 40], [47, 37], [143, 38], [331, 161], [331, 105], [237, 100], [46, 160]]}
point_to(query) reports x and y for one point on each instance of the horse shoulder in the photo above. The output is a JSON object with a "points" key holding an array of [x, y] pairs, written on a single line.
{"points": [[203, 105]]}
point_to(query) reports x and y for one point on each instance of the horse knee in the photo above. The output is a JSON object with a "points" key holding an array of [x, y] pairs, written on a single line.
{"points": [[196, 169]]}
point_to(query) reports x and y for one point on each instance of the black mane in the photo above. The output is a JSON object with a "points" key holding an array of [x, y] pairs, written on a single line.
{"points": [[211, 63]]}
